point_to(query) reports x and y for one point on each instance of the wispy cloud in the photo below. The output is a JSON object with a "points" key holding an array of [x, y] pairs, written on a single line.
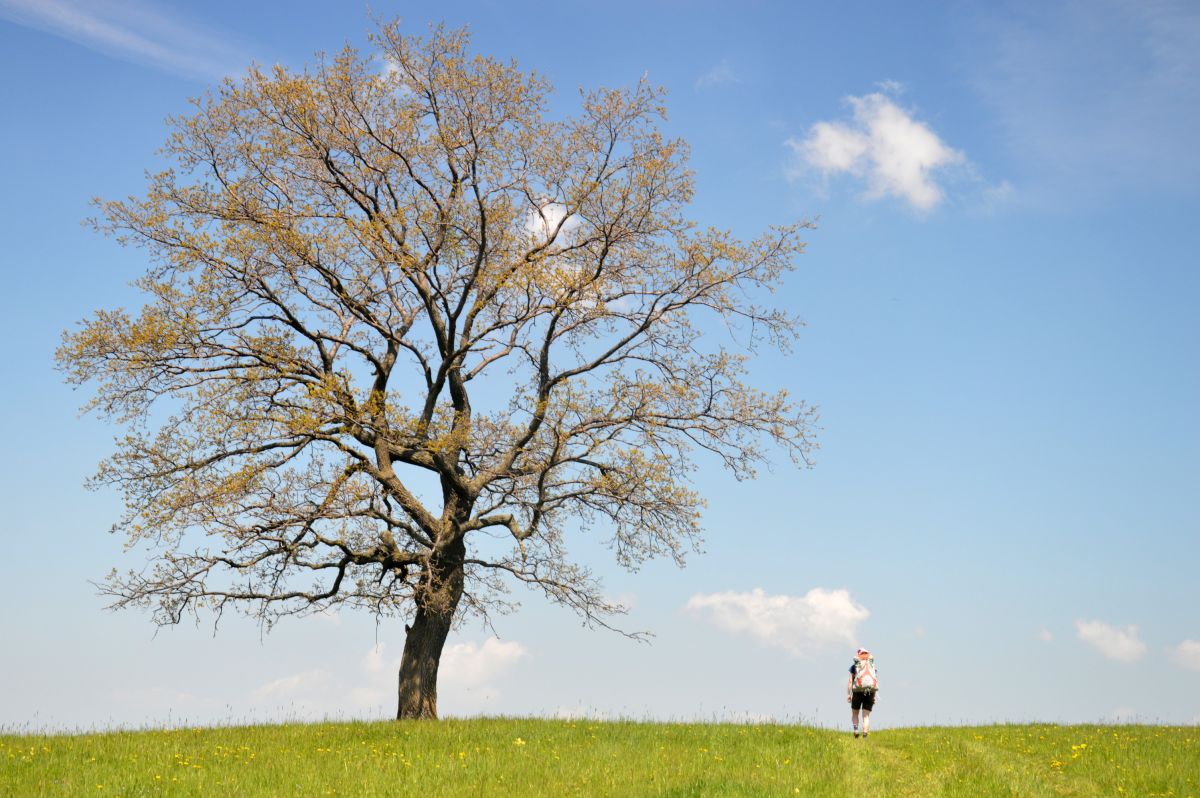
{"points": [[297, 685], [133, 31], [469, 678], [797, 624], [1187, 655], [1093, 99], [883, 145], [1120, 644], [722, 74], [469, 681]]}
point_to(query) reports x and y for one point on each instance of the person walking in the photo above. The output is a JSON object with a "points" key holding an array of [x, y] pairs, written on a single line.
{"points": [[861, 688]]}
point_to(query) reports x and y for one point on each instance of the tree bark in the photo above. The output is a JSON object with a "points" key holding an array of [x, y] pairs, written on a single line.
{"points": [[441, 590]]}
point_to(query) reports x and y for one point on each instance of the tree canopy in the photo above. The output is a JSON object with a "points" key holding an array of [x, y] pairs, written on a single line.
{"points": [[405, 332]]}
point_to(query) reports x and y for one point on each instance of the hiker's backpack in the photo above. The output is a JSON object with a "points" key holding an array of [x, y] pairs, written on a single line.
{"points": [[865, 678]]}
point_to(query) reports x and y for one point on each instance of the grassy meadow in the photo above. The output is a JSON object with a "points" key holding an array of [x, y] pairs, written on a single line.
{"points": [[591, 758]]}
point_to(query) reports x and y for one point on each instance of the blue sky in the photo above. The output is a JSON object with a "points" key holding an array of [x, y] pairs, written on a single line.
{"points": [[1002, 338]]}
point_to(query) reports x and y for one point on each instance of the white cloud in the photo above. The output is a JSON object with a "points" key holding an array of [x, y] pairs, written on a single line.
{"points": [[885, 146], [132, 31], [390, 70], [628, 599], [833, 147], [378, 690], [1045, 635], [326, 616], [893, 87], [470, 665], [297, 686], [720, 75], [797, 624], [1187, 655], [468, 679], [375, 662], [1122, 645], [164, 701], [550, 219]]}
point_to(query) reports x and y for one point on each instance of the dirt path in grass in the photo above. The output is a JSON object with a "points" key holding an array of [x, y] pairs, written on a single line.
{"points": [[886, 765], [874, 768]]}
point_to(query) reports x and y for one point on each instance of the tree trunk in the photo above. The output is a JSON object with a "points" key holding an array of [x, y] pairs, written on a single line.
{"points": [[441, 589]]}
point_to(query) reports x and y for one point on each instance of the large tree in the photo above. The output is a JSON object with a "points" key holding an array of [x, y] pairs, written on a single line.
{"points": [[404, 333]]}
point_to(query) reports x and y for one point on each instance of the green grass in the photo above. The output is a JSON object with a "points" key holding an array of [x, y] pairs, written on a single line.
{"points": [[590, 758]]}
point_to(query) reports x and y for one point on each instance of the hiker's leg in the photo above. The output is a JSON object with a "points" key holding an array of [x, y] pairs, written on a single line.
{"points": [[854, 719], [866, 720]]}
